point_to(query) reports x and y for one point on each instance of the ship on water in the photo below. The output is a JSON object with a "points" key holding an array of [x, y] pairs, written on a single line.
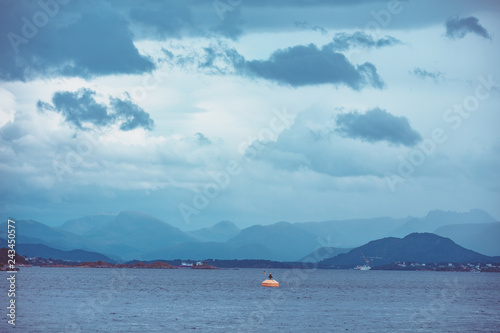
{"points": [[365, 267]]}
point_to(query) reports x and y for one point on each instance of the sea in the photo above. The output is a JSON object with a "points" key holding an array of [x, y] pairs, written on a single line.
{"points": [[233, 300]]}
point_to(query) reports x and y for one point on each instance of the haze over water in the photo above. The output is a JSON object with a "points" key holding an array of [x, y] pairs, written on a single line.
{"points": [[128, 300]]}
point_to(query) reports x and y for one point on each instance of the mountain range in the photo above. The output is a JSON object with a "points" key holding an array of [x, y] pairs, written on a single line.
{"points": [[134, 235]]}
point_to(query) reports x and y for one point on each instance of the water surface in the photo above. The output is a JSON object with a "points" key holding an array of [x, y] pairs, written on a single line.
{"points": [[134, 300]]}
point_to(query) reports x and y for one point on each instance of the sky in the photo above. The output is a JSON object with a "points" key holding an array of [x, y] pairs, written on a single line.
{"points": [[249, 111]]}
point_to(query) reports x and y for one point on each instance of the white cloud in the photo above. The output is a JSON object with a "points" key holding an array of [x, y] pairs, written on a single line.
{"points": [[7, 107]]}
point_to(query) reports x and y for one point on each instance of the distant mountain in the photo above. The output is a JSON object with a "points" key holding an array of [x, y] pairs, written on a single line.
{"points": [[439, 218], [220, 232], [480, 237], [88, 224], [131, 234], [351, 233], [33, 232], [285, 241], [416, 247], [28, 231], [43, 251], [126, 235], [210, 250]]}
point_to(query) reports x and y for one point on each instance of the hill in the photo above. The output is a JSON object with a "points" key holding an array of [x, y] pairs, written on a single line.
{"points": [[416, 247], [4, 258]]}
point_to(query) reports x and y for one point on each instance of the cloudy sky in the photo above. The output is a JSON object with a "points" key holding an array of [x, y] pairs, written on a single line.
{"points": [[248, 110]]}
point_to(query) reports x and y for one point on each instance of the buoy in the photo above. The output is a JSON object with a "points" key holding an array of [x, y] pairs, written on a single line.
{"points": [[270, 283]]}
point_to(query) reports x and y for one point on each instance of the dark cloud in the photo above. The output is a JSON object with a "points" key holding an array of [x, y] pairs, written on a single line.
{"points": [[131, 115], [423, 74], [74, 39], [231, 24], [165, 19], [459, 27], [306, 26], [343, 41], [296, 66], [320, 29], [377, 125], [202, 139], [96, 38], [80, 107], [166, 52], [217, 59], [173, 18], [308, 65]]}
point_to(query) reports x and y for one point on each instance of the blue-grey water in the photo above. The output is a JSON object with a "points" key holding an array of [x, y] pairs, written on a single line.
{"points": [[134, 300]]}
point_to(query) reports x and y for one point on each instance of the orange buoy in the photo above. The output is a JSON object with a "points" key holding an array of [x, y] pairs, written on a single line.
{"points": [[270, 283]]}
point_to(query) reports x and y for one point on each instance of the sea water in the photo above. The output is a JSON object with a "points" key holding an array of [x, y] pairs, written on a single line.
{"points": [[154, 300]]}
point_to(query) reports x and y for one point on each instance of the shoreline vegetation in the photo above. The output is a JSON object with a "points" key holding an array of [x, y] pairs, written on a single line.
{"points": [[237, 264]]}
